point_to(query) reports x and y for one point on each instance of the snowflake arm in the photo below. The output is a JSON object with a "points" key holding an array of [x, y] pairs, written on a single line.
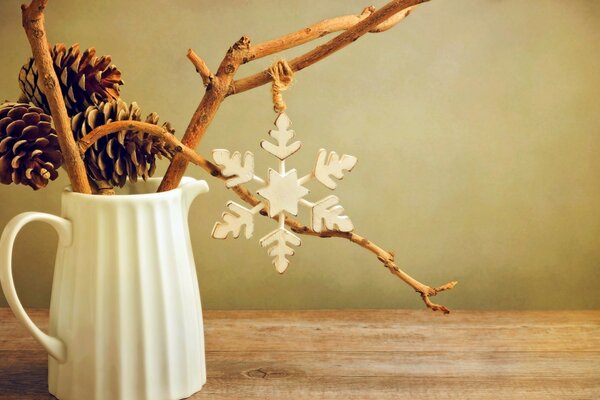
{"points": [[233, 222], [327, 212], [282, 135], [332, 165], [277, 242], [236, 170], [306, 203]]}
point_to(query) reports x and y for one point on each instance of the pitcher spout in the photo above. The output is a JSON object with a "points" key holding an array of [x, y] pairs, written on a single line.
{"points": [[192, 189]]}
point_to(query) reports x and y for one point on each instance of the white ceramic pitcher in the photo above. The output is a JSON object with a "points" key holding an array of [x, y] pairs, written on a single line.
{"points": [[125, 315]]}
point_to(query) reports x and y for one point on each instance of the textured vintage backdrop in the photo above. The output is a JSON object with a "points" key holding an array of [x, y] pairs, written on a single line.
{"points": [[476, 124]]}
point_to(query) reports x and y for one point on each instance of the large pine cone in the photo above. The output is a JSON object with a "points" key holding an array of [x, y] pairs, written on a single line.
{"points": [[126, 154], [85, 79], [29, 150]]}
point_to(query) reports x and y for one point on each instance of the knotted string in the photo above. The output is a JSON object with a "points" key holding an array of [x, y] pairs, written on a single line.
{"points": [[282, 75]]}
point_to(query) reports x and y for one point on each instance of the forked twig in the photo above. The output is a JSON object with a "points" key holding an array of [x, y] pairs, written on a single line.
{"points": [[222, 84], [369, 21], [320, 29]]}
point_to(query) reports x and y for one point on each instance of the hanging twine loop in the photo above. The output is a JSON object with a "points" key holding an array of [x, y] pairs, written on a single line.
{"points": [[282, 75]]}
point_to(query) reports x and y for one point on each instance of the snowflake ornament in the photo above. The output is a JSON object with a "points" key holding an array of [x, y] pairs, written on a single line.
{"points": [[282, 192]]}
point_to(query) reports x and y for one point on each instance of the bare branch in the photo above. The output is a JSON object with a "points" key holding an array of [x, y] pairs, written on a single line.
{"points": [[201, 67], [379, 21], [305, 35], [190, 155], [33, 23], [320, 29], [385, 257], [204, 114]]}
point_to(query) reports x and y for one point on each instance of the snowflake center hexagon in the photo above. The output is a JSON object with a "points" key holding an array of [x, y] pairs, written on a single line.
{"points": [[283, 192]]}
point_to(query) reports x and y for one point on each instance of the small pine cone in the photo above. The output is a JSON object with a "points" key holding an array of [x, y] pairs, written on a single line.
{"points": [[121, 155], [29, 150], [85, 79]]}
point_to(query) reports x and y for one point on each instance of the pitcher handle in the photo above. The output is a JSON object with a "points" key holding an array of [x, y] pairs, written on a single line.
{"points": [[54, 346]]}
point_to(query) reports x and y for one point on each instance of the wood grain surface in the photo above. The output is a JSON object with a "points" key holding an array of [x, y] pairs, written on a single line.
{"points": [[367, 354]]}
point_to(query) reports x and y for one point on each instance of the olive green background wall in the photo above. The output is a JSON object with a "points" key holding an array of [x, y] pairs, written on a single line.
{"points": [[476, 124]]}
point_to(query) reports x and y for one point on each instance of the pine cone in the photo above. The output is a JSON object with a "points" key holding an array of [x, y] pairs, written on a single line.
{"points": [[29, 150], [85, 79], [126, 154]]}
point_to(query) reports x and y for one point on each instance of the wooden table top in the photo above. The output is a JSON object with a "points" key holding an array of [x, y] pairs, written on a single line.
{"points": [[367, 354]]}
